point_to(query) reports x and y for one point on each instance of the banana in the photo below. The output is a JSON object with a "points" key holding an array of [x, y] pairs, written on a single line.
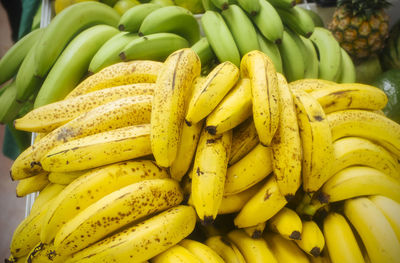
{"points": [[309, 85], [283, 249], [284, 4], [350, 151], [64, 178], [253, 250], [9, 105], [132, 19], [51, 190], [234, 108], [72, 64], [298, 20], [12, 259], [174, 85], [209, 170], [159, 233], [292, 58], [221, 4], [116, 210], [249, 170], [262, 206], [214, 88], [108, 53], [208, 5], [204, 253], [286, 223], [350, 96], [252, 7], [286, 144], [12, 59], [271, 28], [32, 184], [391, 210], [340, 240], [367, 124], [312, 239], [271, 50], [374, 229], [220, 37], [255, 231], [244, 139], [329, 53], [113, 115], [256, 66], [227, 250], [139, 71], [204, 51], [176, 254], [48, 117], [65, 26], [45, 253], [241, 26], [347, 68], [156, 47], [172, 19], [311, 67]]}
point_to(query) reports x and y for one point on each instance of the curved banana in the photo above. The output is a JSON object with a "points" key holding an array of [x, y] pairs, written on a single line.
{"points": [[244, 139], [156, 47], [241, 26], [51, 190], [253, 250], [201, 251], [204, 51], [64, 178], [286, 223], [32, 184], [252, 7], [221, 4], [271, 50], [172, 19], [309, 85], [312, 239], [292, 58], [271, 28], [262, 206], [374, 229], [227, 250], [176, 254], [340, 240], [139, 71], [209, 171], [391, 210], [348, 70], [159, 233], [256, 66], [297, 19], [208, 5], [255, 231], [65, 26], [311, 56], [285, 4], [283, 249], [9, 105], [367, 124], [133, 17], [72, 64], [45, 253], [220, 37]]}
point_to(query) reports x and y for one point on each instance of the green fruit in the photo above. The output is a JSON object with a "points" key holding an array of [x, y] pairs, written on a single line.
{"points": [[389, 82], [315, 17], [368, 70], [109, 2], [163, 2], [123, 5], [194, 6]]}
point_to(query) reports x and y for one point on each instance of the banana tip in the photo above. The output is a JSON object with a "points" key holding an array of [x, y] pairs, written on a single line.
{"points": [[293, 3], [122, 56], [207, 220], [188, 123], [121, 27], [211, 130], [295, 235], [316, 251], [256, 234], [289, 197], [323, 198], [225, 6], [278, 41]]}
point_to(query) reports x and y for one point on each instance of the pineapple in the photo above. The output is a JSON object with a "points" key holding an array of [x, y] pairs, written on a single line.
{"points": [[360, 26]]}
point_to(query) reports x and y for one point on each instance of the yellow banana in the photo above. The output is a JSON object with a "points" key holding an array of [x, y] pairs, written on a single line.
{"points": [[93, 186], [12, 259], [226, 249], [49, 192], [142, 241], [44, 253], [286, 223], [286, 145], [203, 252], [209, 171], [137, 71], [285, 250], [65, 178], [391, 210], [244, 138], [312, 239], [32, 184], [257, 66], [255, 231], [309, 85], [51, 116], [176, 254]]}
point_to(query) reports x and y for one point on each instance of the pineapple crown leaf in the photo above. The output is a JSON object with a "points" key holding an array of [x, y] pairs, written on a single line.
{"points": [[363, 7]]}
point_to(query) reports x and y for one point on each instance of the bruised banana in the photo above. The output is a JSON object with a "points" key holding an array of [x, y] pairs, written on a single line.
{"points": [[32, 184], [227, 250], [201, 251], [284, 250], [312, 239], [286, 223], [45, 253], [244, 139]]}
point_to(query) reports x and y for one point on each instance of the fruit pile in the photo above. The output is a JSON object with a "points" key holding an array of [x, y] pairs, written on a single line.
{"points": [[147, 160]]}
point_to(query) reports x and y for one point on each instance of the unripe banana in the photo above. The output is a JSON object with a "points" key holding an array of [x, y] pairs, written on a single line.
{"points": [[252, 7], [132, 19], [204, 51], [297, 19], [292, 58], [348, 70], [271, 28], [9, 105], [285, 4], [271, 50]]}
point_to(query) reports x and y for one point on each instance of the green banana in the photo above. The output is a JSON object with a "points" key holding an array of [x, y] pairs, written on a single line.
{"points": [[271, 50], [208, 5], [242, 29], [9, 106], [283, 3], [221, 4], [108, 53], [311, 70], [171, 19], [298, 20], [157, 46], [347, 68], [11, 61], [204, 51], [315, 17], [252, 7], [269, 22], [132, 19], [220, 37], [73, 64], [292, 59], [65, 26]]}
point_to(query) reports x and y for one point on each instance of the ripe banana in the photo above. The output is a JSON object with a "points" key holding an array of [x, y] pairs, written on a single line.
{"points": [[48, 117], [140, 71], [220, 37], [204, 51], [297, 19], [244, 139], [262, 206], [174, 84], [256, 66], [391, 210], [72, 64], [176, 254], [253, 250], [172, 19], [51, 190], [329, 53], [311, 67], [65, 26], [284, 4], [45, 253], [241, 26], [252, 7], [271, 50], [312, 239], [108, 53], [366, 124], [209, 171], [249, 170], [292, 58], [284, 250], [204, 253], [271, 28], [64, 178], [32, 184], [255, 231], [340, 240], [348, 70], [133, 17], [309, 85], [227, 250], [286, 144], [374, 229], [286, 223], [156, 47]]}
